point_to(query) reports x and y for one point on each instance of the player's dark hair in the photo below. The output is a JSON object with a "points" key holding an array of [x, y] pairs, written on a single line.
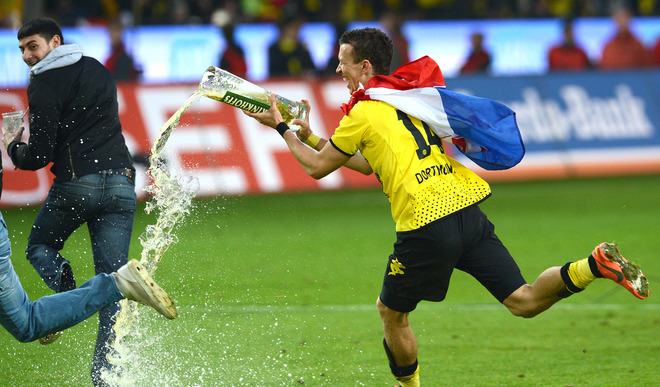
{"points": [[42, 26], [371, 44]]}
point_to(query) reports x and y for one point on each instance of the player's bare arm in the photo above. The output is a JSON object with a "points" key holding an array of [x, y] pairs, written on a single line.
{"points": [[316, 164], [356, 163]]}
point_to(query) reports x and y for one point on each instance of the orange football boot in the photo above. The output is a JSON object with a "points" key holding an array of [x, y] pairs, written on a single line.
{"points": [[614, 266]]}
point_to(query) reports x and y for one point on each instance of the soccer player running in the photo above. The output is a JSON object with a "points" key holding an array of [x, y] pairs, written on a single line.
{"points": [[439, 224]]}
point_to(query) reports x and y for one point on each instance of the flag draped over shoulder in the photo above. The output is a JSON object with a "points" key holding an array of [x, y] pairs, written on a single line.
{"points": [[484, 130]]}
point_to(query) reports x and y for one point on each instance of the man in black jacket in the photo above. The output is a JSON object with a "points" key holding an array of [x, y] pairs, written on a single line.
{"points": [[74, 123], [28, 320]]}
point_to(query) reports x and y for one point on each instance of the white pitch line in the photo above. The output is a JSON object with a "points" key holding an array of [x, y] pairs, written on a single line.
{"points": [[426, 306]]}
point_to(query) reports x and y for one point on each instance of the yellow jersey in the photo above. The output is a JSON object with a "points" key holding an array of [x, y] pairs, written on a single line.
{"points": [[420, 181]]}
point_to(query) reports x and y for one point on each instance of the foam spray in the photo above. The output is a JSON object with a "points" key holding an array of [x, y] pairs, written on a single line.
{"points": [[172, 200]]}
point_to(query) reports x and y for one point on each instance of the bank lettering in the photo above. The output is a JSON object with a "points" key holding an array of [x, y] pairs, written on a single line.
{"points": [[583, 117]]}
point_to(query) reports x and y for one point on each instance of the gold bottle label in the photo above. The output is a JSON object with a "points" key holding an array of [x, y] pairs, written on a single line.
{"points": [[244, 103]]}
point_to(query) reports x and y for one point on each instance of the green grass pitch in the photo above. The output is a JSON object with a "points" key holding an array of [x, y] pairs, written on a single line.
{"points": [[281, 290]]}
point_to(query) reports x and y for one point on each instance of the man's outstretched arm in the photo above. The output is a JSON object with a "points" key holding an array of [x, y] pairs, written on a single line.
{"points": [[316, 164]]}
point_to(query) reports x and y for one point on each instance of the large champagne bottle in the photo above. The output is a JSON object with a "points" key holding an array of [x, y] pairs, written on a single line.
{"points": [[226, 87]]}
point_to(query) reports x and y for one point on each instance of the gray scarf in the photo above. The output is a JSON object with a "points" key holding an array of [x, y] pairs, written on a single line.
{"points": [[61, 56]]}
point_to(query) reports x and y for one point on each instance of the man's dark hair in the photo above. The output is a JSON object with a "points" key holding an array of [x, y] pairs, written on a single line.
{"points": [[42, 26], [371, 44]]}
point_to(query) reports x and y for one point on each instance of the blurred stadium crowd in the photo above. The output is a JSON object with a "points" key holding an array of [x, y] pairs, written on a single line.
{"points": [[289, 56], [144, 12]]}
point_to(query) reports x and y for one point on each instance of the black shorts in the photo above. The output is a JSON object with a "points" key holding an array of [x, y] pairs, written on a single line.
{"points": [[423, 260]]}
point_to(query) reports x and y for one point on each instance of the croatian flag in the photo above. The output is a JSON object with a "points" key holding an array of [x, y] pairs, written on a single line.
{"points": [[484, 130]]}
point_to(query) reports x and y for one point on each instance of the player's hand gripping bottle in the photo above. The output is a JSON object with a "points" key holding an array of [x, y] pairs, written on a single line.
{"points": [[226, 87]]}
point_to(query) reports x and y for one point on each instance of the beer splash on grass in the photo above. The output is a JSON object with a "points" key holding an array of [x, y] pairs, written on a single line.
{"points": [[171, 199]]}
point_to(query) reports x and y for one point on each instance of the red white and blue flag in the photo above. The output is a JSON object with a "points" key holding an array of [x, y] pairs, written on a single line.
{"points": [[484, 130]]}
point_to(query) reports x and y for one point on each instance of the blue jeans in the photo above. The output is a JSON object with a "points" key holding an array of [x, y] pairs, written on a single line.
{"points": [[106, 202], [30, 320]]}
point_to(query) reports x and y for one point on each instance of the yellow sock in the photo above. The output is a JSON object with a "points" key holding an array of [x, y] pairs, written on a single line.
{"points": [[580, 273], [410, 380]]}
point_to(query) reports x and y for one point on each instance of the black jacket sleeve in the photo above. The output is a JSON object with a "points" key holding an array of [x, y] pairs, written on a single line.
{"points": [[45, 111]]}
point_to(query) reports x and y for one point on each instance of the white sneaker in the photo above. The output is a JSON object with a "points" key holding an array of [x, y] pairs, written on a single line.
{"points": [[136, 284]]}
